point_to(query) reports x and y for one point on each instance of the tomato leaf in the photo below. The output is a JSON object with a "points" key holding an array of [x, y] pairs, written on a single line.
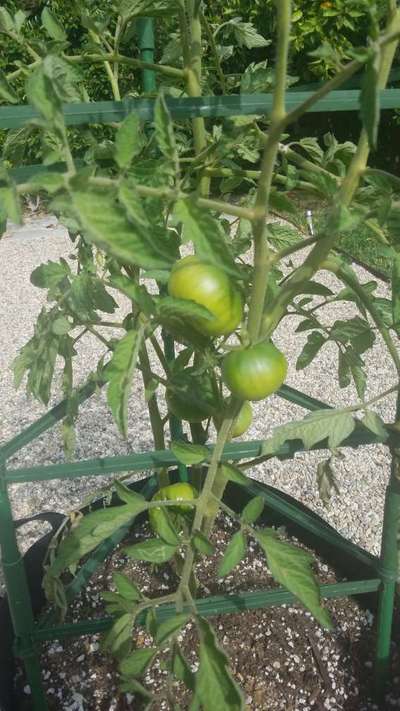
{"points": [[153, 550], [164, 131], [232, 473], [333, 425], [52, 26], [190, 453], [201, 543], [126, 588], [314, 343], [170, 626], [326, 481], [215, 688], [136, 292], [126, 494], [50, 275], [169, 306], [291, 567], [137, 662], [207, 235], [133, 686], [119, 373], [133, 203], [253, 510], [104, 223], [162, 524], [115, 604], [355, 331], [92, 530], [375, 424], [7, 93], [119, 637], [181, 669], [128, 141], [396, 292], [234, 553]]}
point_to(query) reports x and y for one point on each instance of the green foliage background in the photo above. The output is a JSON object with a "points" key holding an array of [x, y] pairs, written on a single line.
{"points": [[340, 22]]}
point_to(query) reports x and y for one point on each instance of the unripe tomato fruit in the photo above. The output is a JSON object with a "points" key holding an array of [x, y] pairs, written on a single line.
{"points": [[241, 423], [191, 396], [195, 279], [174, 492], [243, 420], [255, 372]]}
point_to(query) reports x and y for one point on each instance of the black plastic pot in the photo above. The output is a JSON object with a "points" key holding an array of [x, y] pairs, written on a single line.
{"points": [[236, 497]]}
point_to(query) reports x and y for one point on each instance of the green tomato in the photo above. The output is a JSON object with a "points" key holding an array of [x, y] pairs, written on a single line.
{"points": [[174, 492], [255, 372], [192, 396], [195, 279], [242, 421]]}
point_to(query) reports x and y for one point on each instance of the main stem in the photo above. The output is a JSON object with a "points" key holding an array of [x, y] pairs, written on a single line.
{"points": [[205, 498], [262, 260]]}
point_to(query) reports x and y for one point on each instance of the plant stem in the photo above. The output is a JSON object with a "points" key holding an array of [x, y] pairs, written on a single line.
{"points": [[22, 70], [205, 496], [113, 81], [99, 336], [148, 191], [193, 81], [304, 162], [262, 261], [122, 59], [373, 400], [160, 353], [22, 41], [302, 244], [107, 66], [214, 50]]}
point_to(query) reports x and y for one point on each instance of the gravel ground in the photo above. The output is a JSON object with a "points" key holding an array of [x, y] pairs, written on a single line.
{"points": [[361, 475]]}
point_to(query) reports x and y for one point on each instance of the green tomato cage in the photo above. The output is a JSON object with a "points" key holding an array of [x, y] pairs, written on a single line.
{"points": [[379, 574]]}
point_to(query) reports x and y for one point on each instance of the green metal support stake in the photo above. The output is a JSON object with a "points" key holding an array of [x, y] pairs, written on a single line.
{"points": [[146, 46], [19, 598], [175, 425], [388, 573]]}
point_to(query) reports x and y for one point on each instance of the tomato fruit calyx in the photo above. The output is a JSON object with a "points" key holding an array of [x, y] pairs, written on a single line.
{"points": [[197, 280], [255, 372]]}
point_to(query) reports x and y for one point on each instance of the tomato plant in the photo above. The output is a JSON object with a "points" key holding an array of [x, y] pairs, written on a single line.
{"points": [[134, 206]]}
